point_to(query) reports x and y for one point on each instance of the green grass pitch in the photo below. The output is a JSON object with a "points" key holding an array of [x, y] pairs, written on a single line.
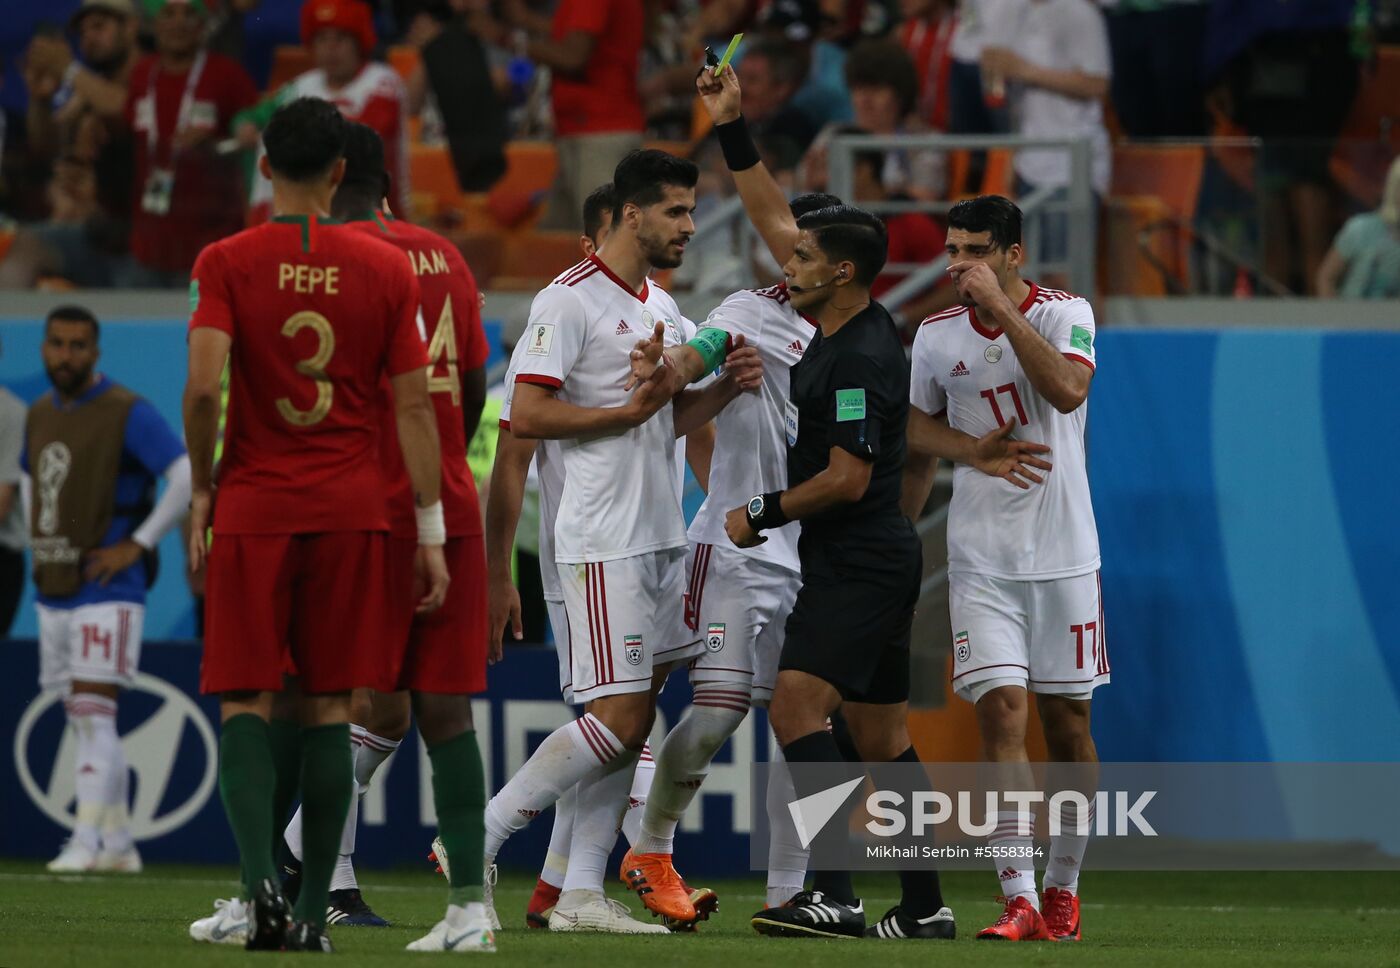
{"points": [[1191, 919]]}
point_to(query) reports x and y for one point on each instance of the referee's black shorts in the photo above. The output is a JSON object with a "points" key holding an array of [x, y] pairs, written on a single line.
{"points": [[851, 623]]}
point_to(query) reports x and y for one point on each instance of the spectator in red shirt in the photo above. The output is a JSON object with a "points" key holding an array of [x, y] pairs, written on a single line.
{"points": [[594, 49], [926, 34], [186, 195], [914, 238]]}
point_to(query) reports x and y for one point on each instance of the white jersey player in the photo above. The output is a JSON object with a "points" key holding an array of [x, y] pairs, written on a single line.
{"points": [[739, 599], [620, 532], [1013, 365]]}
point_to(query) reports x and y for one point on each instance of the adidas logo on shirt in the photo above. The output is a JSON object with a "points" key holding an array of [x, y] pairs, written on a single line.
{"points": [[623, 329], [960, 370], [795, 347]]}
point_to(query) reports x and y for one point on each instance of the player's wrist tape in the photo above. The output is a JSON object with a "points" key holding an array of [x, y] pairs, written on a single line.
{"points": [[713, 346], [432, 528], [740, 153], [772, 516]]}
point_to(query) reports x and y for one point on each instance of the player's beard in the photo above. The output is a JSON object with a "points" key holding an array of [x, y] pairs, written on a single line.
{"points": [[68, 379], [660, 252]]}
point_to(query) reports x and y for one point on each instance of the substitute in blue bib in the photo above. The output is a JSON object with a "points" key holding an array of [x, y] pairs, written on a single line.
{"points": [[92, 455]]}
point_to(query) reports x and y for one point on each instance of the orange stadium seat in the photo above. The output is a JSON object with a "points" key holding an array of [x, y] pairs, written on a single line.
{"points": [[1153, 184], [1371, 136], [288, 61], [404, 59]]}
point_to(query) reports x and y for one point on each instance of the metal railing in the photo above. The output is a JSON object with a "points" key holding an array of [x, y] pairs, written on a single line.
{"points": [[727, 224]]}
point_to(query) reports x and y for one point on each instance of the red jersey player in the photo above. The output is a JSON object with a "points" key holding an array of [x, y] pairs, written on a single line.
{"points": [[445, 659], [310, 318]]}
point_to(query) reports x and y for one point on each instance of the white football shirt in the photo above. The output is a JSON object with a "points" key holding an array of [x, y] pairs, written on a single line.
{"points": [[620, 496], [750, 454], [548, 466], [970, 371]]}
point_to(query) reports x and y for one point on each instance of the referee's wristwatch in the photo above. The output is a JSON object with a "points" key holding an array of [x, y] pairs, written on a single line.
{"points": [[766, 511]]}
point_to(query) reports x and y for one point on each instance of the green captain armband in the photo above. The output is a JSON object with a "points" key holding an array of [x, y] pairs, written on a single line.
{"points": [[712, 344]]}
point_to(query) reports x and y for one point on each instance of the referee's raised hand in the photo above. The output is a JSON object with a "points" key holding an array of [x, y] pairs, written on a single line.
{"points": [[996, 454]]}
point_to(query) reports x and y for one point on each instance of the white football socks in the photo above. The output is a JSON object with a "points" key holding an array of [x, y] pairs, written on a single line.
{"points": [[787, 858], [370, 753], [100, 770], [1017, 872], [556, 859], [581, 749], [684, 760], [642, 779], [602, 799], [1067, 849]]}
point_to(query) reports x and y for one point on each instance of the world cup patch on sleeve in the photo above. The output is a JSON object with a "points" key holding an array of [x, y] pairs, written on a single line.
{"points": [[541, 339], [1082, 340], [850, 405]]}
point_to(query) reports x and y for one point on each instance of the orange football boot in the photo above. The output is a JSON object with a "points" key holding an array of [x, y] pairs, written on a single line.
{"points": [[658, 885], [1018, 922]]}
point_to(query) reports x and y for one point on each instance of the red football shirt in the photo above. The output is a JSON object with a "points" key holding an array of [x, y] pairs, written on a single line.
{"points": [[206, 203], [319, 315], [456, 342], [913, 238], [605, 98]]}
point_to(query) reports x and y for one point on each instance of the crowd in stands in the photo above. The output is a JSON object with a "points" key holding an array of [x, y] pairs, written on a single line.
{"points": [[131, 127]]}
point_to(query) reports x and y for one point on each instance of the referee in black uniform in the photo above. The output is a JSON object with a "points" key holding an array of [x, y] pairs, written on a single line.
{"points": [[847, 640]]}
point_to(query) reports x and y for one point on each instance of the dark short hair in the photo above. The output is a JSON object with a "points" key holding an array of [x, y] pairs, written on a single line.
{"points": [[305, 138], [884, 63], [73, 314], [643, 176], [811, 201], [599, 200], [366, 177], [996, 214], [785, 60], [845, 233]]}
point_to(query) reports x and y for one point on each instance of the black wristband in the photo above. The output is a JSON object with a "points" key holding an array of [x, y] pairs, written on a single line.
{"points": [[740, 153], [772, 516]]}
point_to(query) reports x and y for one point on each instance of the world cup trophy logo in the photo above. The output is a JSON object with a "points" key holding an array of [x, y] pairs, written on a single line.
{"points": [[55, 460]]}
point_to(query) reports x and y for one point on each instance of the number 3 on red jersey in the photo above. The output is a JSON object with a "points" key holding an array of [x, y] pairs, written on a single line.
{"points": [[313, 367]]}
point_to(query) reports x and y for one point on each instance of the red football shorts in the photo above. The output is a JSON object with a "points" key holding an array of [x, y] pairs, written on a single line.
{"points": [[310, 605], [446, 649]]}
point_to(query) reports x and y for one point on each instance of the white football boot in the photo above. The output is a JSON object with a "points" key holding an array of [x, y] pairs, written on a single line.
{"points": [[591, 911], [488, 882], [227, 925], [466, 930], [74, 858], [119, 861]]}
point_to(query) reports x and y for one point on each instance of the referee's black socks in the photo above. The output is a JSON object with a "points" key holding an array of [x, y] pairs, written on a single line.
{"points": [[920, 893], [820, 747]]}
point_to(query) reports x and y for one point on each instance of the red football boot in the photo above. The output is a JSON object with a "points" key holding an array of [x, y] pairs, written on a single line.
{"points": [[1060, 909], [541, 904], [1018, 922]]}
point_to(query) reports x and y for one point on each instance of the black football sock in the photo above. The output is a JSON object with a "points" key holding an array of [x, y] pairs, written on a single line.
{"points": [[819, 747], [921, 895]]}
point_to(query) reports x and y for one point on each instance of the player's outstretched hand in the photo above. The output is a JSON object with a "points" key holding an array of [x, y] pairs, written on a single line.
{"points": [[502, 608], [201, 514], [744, 365], [431, 568], [736, 525], [719, 94], [996, 454], [646, 357]]}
